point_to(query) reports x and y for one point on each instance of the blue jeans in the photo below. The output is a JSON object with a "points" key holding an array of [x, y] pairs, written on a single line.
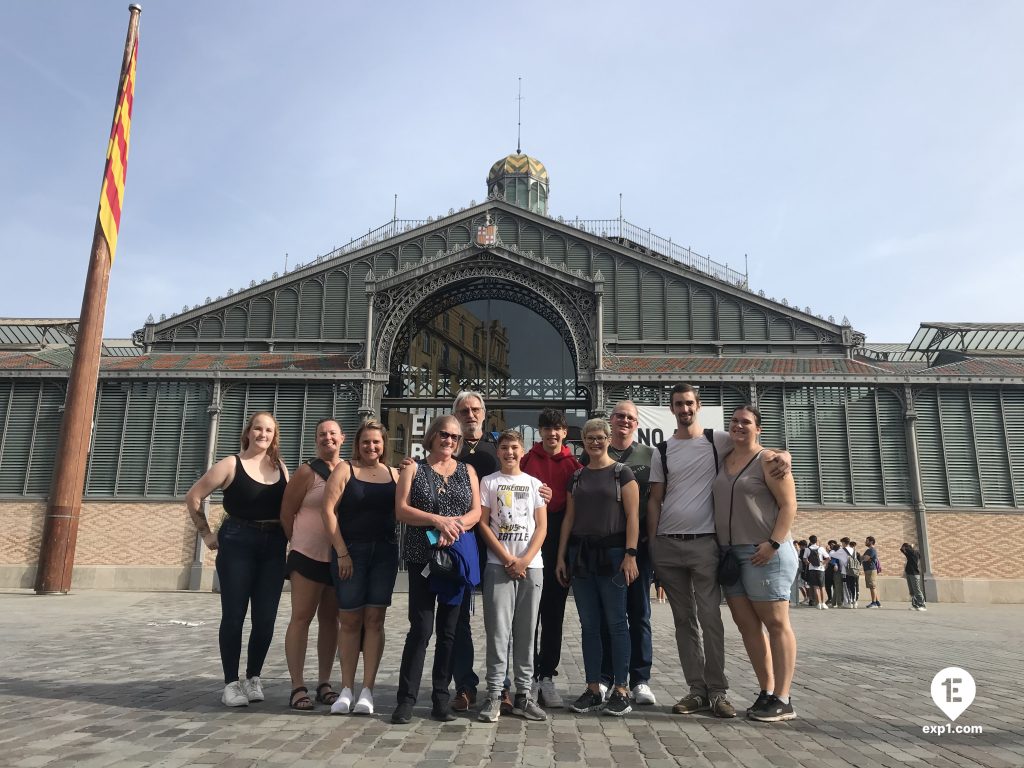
{"points": [[374, 571], [764, 583], [250, 566], [603, 597], [638, 611]]}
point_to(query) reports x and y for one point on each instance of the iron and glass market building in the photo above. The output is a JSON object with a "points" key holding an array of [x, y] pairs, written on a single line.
{"points": [[920, 442]]}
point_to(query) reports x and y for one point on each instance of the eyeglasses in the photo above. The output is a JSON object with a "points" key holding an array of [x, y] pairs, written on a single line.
{"points": [[468, 410], [454, 437], [596, 439], [624, 416]]}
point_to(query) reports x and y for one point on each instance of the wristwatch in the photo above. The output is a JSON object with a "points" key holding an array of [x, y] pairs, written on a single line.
{"points": [[775, 544], [631, 551]]}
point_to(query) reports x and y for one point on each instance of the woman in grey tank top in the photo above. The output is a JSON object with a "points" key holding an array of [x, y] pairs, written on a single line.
{"points": [[753, 515]]}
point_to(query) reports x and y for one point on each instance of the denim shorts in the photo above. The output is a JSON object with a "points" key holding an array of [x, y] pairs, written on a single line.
{"points": [[764, 583], [374, 570]]}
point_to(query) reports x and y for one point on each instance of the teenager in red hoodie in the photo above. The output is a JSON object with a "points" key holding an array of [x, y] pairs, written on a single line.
{"points": [[551, 462]]}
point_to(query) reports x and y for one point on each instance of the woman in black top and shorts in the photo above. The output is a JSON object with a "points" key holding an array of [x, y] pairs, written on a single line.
{"points": [[443, 494], [250, 548], [359, 514]]}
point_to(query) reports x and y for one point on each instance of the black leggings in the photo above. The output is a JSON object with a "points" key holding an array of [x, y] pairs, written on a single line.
{"points": [[421, 620]]}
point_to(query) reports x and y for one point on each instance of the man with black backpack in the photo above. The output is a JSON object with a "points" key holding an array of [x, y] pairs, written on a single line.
{"points": [[684, 550], [816, 558]]}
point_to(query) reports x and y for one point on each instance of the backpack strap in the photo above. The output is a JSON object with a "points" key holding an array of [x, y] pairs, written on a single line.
{"points": [[319, 466], [663, 450], [575, 480], [618, 482], [709, 435]]}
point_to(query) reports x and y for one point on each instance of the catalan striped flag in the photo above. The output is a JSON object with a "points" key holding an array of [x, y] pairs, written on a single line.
{"points": [[112, 193]]}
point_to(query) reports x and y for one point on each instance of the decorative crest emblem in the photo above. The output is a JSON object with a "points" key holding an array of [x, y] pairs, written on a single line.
{"points": [[487, 233]]}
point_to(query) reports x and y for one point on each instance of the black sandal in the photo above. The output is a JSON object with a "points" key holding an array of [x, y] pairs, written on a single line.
{"points": [[303, 703], [327, 698]]}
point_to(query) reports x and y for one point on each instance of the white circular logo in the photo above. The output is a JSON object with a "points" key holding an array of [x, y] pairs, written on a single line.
{"points": [[953, 691]]}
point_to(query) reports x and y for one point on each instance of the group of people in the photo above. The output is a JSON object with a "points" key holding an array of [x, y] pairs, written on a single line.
{"points": [[830, 575], [339, 517], [707, 510]]}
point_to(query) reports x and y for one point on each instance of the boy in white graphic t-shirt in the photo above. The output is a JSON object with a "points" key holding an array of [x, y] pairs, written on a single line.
{"points": [[513, 525]]}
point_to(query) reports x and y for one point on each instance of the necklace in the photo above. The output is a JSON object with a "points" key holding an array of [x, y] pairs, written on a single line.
{"points": [[442, 480]]}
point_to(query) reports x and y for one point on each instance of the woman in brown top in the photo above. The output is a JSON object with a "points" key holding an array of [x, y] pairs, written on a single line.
{"points": [[753, 514], [597, 554]]}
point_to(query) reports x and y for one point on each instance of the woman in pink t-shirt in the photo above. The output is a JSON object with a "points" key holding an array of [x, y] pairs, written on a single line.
{"points": [[309, 568]]}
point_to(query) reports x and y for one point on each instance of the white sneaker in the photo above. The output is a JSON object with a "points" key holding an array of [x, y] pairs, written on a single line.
{"points": [[364, 704], [922, 608], [234, 696], [642, 694], [547, 694], [604, 691], [252, 688], [343, 704]]}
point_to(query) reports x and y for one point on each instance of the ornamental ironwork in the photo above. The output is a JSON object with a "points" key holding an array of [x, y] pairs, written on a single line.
{"points": [[406, 308]]}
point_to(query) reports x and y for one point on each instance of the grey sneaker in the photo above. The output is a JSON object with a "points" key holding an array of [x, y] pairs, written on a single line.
{"points": [[524, 706], [547, 694], [253, 688], [491, 710], [721, 707], [691, 703]]}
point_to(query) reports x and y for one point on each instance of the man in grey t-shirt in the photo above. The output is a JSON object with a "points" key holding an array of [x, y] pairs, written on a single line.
{"points": [[684, 551]]}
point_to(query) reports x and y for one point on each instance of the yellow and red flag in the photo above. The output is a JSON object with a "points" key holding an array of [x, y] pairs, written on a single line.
{"points": [[112, 193]]}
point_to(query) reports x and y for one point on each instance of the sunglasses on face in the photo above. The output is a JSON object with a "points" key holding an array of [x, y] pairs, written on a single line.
{"points": [[454, 437]]}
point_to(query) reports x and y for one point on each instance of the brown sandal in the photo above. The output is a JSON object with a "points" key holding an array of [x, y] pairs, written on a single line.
{"points": [[303, 703], [327, 698]]}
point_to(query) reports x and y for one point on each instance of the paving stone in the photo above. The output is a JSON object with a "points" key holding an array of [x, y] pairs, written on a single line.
{"points": [[147, 694]]}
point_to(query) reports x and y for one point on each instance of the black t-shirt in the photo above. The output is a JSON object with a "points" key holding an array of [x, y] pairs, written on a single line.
{"points": [[482, 457]]}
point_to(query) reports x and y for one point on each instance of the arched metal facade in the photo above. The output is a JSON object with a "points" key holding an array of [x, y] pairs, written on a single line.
{"points": [[324, 338]]}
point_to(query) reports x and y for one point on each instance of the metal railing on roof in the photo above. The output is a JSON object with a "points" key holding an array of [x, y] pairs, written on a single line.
{"points": [[385, 231], [637, 237], [625, 232], [618, 230]]}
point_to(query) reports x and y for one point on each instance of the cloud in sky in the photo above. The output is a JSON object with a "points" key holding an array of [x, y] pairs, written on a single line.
{"points": [[868, 157]]}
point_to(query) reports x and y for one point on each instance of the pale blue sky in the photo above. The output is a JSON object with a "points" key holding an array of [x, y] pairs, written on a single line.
{"points": [[868, 156]]}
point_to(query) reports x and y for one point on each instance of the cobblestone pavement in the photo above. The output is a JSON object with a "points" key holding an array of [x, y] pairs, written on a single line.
{"points": [[109, 679]]}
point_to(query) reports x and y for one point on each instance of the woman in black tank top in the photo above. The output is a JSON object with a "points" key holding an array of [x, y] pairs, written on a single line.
{"points": [[359, 515], [250, 548]]}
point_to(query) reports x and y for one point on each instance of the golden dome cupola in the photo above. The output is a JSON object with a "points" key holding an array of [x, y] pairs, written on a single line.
{"points": [[521, 180]]}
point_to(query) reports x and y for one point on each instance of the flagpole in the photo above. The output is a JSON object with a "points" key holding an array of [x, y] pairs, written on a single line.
{"points": [[60, 527]]}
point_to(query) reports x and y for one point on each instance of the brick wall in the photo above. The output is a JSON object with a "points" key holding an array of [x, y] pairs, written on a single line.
{"points": [[161, 534], [109, 533], [959, 541], [964, 546]]}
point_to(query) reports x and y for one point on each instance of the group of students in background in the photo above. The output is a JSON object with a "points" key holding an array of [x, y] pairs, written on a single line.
{"points": [[709, 510], [830, 575]]}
